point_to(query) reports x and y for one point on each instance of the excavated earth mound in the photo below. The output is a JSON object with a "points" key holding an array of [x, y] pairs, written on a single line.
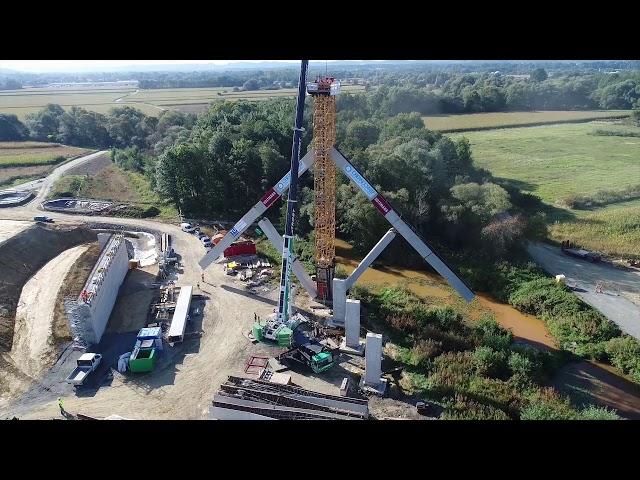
{"points": [[21, 257]]}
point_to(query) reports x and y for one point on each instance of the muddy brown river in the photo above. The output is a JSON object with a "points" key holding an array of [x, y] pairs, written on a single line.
{"points": [[594, 381]]}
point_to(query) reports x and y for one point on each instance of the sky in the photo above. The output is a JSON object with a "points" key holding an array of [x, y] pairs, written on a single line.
{"points": [[37, 66]]}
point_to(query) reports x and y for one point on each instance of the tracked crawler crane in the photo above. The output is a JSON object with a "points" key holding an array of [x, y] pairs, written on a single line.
{"points": [[324, 91]]}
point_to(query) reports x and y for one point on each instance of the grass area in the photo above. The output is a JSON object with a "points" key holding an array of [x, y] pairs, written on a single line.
{"points": [[560, 162], [118, 185], [557, 161], [614, 229], [483, 121], [24, 154], [24, 161], [151, 102], [150, 198]]}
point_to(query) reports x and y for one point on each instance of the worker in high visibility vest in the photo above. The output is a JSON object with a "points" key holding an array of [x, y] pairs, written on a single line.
{"points": [[62, 410]]}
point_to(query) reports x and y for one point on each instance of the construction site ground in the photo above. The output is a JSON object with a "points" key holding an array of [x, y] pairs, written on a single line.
{"points": [[188, 374]]}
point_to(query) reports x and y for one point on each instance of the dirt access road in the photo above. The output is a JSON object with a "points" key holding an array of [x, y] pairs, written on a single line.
{"points": [[622, 287]]}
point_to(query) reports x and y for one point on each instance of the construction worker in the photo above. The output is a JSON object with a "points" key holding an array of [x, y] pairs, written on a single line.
{"points": [[202, 276], [62, 410]]}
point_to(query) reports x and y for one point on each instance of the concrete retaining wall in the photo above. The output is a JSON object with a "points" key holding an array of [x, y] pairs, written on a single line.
{"points": [[88, 317]]}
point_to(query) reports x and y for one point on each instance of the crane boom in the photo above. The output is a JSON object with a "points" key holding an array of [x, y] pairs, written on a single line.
{"points": [[288, 241]]}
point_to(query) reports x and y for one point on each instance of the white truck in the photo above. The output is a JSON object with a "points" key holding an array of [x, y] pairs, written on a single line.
{"points": [[87, 363]]}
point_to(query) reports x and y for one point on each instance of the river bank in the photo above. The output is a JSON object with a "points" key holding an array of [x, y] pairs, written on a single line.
{"points": [[589, 381]]}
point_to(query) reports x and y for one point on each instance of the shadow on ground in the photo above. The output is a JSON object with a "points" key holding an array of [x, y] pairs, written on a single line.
{"points": [[249, 295]]}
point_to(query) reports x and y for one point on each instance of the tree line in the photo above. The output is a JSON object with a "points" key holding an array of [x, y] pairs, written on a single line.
{"points": [[121, 127], [219, 163], [237, 150], [494, 92]]}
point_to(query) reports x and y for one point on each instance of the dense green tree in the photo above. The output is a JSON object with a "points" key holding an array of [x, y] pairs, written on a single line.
{"points": [[12, 129], [128, 126], [619, 95], [43, 125], [84, 128], [361, 133], [539, 75], [251, 84], [130, 159]]}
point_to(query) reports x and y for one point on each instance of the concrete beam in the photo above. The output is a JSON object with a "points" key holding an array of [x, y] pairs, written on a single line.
{"points": [[381, 204], [298, 269], [371, 257]]}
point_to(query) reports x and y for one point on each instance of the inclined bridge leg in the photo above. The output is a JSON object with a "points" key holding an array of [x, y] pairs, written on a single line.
{"points": [[298, 269]]}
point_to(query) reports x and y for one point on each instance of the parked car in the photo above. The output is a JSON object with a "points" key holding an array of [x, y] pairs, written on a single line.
{"points": [[206, 241], [187, 227], [43, 218]]}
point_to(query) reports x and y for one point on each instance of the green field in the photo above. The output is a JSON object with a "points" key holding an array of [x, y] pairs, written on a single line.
{"points": [[481, 121], [151, 102], [555, 162], [23, 161], [614, 229]]}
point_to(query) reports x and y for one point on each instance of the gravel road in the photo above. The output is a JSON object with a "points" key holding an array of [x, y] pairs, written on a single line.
{"points": [[622, 286]]}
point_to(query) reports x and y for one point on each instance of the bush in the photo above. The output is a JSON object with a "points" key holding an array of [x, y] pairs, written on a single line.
{"points": [[624, 353], [545, 362], [574, 324], [522, 368], [547, 404], [500, 394], [598, 413], [581, 331], [601, 197], [538, 296], [451, 373], [489, 362], [492, 334], [363, 293], [463, 408], [151, 212], [447, 318], [423, 351], [451, 341]]}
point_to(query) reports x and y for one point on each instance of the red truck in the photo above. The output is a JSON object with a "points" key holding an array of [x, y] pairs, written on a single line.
{"points": [[240, 248]]}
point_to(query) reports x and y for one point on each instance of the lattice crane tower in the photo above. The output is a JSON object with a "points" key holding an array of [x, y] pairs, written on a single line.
{"points": [[324, 91]]}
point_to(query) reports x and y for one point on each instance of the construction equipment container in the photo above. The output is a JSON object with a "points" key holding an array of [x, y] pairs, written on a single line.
{"points": [[257, 331], [142, 359], [240, 248]]}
